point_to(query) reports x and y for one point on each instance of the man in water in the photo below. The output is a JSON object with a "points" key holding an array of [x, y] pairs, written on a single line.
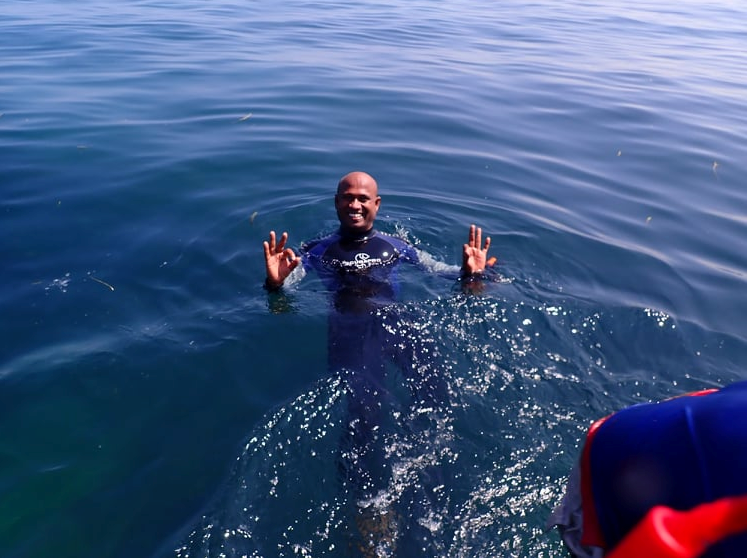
{"points": [[358, 265], [357, 249]]}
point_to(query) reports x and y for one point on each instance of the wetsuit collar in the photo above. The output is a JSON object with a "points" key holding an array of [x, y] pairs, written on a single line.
{"points": [[356, 236]]}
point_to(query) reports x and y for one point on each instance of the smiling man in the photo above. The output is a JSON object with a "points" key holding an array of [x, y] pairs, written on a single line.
{"points": [[357, 249], [359, 266]]}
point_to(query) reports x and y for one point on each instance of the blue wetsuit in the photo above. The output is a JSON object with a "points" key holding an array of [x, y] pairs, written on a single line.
{"points": [[360, 269], [366, 332]]}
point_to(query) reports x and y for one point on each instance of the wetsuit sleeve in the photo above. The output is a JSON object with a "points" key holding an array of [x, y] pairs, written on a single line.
{"points": [[429, 263], [469, 283], [410, 255], [312, 252]]}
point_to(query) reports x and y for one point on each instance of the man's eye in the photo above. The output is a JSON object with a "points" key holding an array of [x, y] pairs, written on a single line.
{"points": [[362, 199]]}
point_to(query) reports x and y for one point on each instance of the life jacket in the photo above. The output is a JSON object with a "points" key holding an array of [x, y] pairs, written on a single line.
{"points": [[676, 470]]}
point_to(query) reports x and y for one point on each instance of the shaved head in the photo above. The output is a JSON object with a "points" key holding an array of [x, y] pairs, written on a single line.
{"points": [[358, 179]]}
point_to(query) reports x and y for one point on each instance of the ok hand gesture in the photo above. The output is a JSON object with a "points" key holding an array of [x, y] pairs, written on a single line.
{"points": [[279, 260]]}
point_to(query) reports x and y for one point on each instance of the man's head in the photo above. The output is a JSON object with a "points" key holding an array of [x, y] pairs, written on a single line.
{"points": [[357, 201]]}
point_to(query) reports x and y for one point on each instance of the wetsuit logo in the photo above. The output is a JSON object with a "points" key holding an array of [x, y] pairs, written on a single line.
{"points": [[364, 261], [376, 252]]}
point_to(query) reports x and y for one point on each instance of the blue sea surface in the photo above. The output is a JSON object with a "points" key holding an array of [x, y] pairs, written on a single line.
{"points": [[156, 401]]}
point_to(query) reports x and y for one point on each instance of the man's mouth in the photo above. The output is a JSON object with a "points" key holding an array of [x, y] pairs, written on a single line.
{"points": [[355, 216]]}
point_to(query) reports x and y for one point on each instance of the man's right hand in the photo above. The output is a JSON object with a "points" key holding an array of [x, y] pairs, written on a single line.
{"points": [[279, 260]]}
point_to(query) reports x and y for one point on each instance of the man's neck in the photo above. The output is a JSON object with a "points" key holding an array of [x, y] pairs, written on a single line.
{"points": [[356, 236]]}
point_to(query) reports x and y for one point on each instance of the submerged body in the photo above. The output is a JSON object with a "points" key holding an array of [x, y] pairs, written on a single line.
{"points": [[369, 337], [366, 332]]}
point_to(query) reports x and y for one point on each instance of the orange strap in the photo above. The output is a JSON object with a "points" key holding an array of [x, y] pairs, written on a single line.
{"points": [[668, 533]]}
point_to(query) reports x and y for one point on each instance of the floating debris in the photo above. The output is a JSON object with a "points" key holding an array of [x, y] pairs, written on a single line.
{"points": [[252, 217], [61, 283], [648, 220], [245, 117], [491, 261], [102, 282], [619, 152]]}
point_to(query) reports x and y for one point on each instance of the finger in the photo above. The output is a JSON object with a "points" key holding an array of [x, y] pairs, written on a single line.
{"points": [[478, 238], [272, 241], [487, 244], [281, 244], [289, 254], [267, 250], [471, 235], [293, 261]]}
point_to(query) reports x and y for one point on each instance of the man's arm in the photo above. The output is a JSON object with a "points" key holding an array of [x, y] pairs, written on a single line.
{"points": [[279, 261]]}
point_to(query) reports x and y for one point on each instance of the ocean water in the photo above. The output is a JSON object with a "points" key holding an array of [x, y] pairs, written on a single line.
{"points": [[154, 401]]}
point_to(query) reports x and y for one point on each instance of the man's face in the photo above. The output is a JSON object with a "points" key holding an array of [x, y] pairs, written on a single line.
{"points": [[357, 202]]}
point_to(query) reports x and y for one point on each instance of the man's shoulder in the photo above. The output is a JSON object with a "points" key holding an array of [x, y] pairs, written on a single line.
{"points": [[319, 244], [400, 244], [391, 239]]}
